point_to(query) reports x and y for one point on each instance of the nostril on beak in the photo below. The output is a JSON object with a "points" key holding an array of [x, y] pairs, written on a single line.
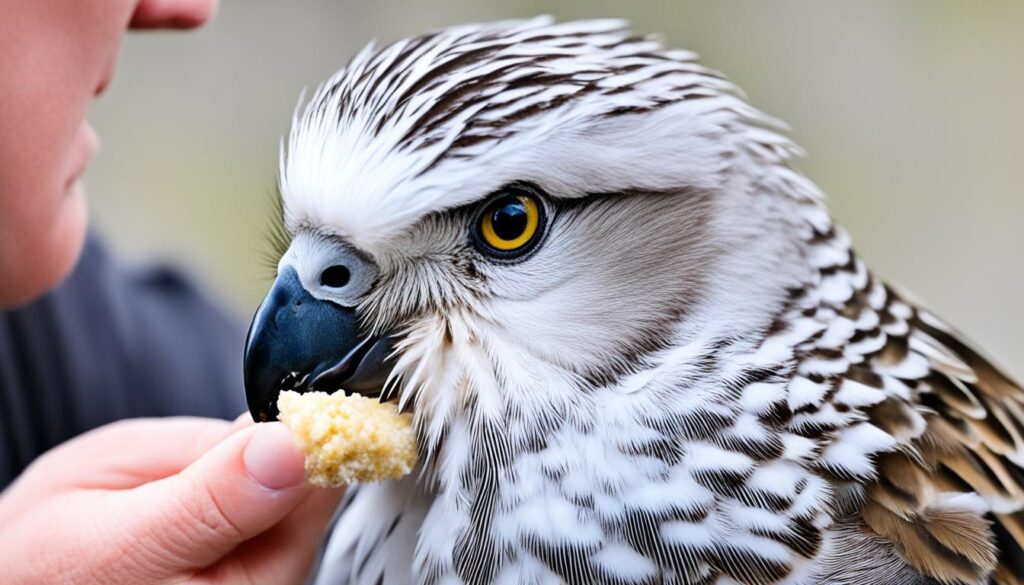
{"points": [[335, 276]]}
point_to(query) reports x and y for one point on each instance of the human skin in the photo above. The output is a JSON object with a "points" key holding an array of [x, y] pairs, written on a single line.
{"points": [[144, 501], [162, 501], [55, 57]]}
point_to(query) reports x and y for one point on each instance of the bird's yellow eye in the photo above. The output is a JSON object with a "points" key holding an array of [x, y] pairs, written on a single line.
{"points": [[510, 223]]}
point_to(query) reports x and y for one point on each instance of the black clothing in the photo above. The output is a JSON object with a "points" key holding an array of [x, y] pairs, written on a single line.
{"points": [[107, 344]]}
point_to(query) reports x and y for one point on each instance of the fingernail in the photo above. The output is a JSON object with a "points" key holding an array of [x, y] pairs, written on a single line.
{"points": [[272, 458]]}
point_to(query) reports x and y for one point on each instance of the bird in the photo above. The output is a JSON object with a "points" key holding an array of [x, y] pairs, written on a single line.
{"points": [[635, 345]]}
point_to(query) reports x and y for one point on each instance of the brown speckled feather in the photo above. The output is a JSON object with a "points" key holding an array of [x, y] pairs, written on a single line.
{"points": [[949, 493], [925, 499]]}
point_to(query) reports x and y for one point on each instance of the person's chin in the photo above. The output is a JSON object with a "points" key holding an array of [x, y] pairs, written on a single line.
{"points": [[53, 258], [45, 245], [68, 235]]}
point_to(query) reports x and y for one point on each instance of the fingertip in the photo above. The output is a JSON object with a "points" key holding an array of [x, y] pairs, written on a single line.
{"points": [[272, 458]]}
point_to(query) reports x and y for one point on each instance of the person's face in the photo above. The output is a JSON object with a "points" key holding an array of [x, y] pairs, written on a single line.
{"points": [[55, 56]]}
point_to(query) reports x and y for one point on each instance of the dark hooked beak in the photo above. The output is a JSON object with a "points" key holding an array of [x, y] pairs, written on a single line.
{"points": [[297, 342]]}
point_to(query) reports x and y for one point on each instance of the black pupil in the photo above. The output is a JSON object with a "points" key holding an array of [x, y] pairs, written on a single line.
{"points": [[335, 276], [509, 219]]}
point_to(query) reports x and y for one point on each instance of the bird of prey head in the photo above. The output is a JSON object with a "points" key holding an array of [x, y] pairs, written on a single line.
{"points": [[635, 346]]}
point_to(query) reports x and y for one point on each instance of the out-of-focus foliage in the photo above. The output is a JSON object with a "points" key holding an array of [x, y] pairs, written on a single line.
{"points": [[911, 112]]}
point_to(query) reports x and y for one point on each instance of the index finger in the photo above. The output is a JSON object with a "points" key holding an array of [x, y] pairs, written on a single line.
{"points": [[129, 453], [117, 456]]}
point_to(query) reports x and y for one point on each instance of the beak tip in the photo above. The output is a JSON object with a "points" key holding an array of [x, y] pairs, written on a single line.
{"points": [[265, 410]]}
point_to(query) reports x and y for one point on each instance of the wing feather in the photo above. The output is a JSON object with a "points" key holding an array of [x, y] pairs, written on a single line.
{"points": [[949, 491], [954, 511]]}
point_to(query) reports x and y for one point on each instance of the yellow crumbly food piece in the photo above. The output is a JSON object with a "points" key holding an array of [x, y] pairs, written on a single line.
{"points": [[348, 438]]}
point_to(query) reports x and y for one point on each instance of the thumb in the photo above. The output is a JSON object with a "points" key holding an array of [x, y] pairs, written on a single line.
{"points": [[240, 488]]}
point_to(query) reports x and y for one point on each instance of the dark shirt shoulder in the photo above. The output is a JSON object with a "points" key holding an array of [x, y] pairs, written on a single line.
{"points": [[111, 343]]}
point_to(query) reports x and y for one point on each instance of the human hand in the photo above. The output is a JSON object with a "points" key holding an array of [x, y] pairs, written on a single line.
{"points": [[165, 500]]}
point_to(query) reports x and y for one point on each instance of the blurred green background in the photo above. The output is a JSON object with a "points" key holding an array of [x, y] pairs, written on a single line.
{"points": [[911, 112]]}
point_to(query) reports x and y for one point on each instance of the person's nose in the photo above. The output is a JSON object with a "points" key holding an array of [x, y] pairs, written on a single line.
{"points": [[178, 14]]}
